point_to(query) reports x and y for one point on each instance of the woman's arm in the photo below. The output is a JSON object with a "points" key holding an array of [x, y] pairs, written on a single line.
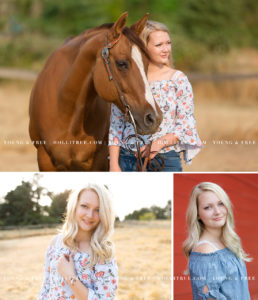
{"points": [[185, 127], [115, 137], [67, 270], [104, 281], [114, 159], [157, 145], [44, 291]]}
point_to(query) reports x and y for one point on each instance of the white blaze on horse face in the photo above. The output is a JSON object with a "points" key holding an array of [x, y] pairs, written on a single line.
{"points": [[137, 57]]}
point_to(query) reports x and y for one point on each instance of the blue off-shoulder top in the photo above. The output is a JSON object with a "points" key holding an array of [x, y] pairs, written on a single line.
{"points": [[222, 272]]}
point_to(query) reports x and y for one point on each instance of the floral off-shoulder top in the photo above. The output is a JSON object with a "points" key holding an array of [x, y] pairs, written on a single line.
{"points": [[175, 99], [101, 280]]}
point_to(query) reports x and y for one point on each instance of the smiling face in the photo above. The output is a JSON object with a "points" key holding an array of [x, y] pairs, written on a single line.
{"points": [[159, 47], [87, 211], [211, 210]]}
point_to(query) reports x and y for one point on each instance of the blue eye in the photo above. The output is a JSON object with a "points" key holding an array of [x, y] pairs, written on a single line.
{"points": [[221, 203], [207, 207]]}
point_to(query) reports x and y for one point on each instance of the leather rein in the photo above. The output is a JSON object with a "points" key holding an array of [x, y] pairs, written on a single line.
{"points": [[141, 165]]}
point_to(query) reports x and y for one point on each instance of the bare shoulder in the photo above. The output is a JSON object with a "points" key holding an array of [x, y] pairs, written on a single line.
{"points": [[181, 74], [53, 241], [204, 248]]}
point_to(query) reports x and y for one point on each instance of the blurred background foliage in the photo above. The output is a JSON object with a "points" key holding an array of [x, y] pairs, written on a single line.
{"points": [[21, 206], [31, 29]]}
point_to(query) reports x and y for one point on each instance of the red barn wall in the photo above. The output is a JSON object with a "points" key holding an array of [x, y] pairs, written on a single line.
{"points": [[243, 192]]}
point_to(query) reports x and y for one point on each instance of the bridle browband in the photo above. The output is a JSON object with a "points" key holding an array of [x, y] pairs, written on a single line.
{"points": [[128, 114]]}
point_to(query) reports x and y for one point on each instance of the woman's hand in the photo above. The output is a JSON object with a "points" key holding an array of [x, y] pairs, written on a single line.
{"points": [[155, 149], [157, 145], [66, 266]]}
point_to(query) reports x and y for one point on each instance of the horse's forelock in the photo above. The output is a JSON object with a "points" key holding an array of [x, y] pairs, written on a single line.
{"points": [[131, 35], [135, 39]]}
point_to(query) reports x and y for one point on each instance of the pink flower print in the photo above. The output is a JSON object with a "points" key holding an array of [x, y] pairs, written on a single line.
{"points": [[169, 98], [179, 93], [105, 287], [189, 132], [113, 281], [61, 298], [166, 108], [116, 140], [85, 276], [100, 274], [83, 263]]}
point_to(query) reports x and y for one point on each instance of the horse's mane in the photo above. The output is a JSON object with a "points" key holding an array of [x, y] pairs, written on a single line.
{"points": [[129, 33]]}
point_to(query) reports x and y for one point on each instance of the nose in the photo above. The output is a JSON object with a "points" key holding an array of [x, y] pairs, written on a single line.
{"points": [[149, 119], [216, 210], [90, 213], [165, 48]]}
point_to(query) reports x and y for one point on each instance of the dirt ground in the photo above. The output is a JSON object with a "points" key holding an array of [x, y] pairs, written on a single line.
{"points": [[229, 131], [143, 253]]}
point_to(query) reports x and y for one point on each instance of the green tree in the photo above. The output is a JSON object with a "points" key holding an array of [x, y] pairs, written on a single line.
{"points": [[19, 207], [148, 216], [58, 206], [216, 24]]}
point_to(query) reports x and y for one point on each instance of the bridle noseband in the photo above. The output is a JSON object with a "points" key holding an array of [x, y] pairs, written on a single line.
{"points": [[128, 114]]}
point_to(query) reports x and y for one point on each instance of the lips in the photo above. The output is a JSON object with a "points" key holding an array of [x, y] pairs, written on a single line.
{"points": [[88, 222], [218, 219]]}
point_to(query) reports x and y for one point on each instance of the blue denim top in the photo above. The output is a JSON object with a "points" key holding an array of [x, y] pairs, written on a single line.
{"points": [[222, 272]]}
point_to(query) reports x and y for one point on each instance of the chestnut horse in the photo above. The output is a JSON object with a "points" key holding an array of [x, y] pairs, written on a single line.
{"points": [[70, 101]]}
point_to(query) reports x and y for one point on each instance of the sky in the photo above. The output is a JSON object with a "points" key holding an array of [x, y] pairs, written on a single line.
{"points": [[131, 191]]}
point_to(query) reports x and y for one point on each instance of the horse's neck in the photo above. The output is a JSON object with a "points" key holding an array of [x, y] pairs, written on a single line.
{"points": [[75, 85]]}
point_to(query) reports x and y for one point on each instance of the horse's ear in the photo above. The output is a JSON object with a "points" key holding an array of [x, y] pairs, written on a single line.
{"points": [[119, 24], [139, 25]]}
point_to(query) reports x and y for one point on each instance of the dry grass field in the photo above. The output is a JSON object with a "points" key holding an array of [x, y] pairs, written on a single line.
{"points": [[226, 116], [143, 252]]}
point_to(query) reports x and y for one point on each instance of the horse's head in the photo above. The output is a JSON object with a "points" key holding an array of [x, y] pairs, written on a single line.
{"points": [[128, 62]]}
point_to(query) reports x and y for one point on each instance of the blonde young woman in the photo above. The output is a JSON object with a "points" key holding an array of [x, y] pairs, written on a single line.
{"points": [[79, 262], [216, 257], [173, 93]]}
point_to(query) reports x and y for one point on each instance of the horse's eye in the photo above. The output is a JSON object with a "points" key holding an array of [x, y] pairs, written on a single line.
{"points": [[122, 65]]}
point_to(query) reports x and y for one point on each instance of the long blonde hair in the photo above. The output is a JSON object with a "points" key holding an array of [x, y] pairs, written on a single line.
{"points": [[152, 26], [101, 247], [195, 226]]}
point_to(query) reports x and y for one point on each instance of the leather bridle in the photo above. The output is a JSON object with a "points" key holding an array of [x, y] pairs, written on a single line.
{"points": [[141, 166]]}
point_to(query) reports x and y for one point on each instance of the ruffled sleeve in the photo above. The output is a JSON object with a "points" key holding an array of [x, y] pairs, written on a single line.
{"points": [[116, 126], [45, 288], [185, 126], [105, 280], [207, 276]]}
